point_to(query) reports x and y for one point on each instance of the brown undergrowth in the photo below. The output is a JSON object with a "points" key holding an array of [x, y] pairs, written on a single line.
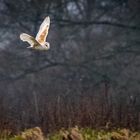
{"points": [[74, 133]]}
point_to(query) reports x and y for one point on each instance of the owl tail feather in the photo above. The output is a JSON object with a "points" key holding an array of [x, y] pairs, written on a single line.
{"points": [[30, 47]]}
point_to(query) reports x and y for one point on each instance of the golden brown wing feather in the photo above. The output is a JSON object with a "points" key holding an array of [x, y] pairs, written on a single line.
{"points": [[43, 31], [42, 37]]}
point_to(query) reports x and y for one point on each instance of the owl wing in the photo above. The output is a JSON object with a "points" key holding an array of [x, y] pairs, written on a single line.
{"points": [[31, 40], [43, 31]]}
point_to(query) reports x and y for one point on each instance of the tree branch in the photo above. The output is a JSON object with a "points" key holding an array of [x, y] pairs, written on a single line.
{"points": [[88, 23]]}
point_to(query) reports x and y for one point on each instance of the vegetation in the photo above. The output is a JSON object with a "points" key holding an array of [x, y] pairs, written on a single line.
{"points": [[76, 134]]}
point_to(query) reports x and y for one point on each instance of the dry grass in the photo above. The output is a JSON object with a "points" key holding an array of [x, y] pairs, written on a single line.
{"points": [[30, 134], [75, 133]]}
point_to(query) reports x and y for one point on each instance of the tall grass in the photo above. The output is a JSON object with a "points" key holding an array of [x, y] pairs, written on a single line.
{"points": [[75, 134]]}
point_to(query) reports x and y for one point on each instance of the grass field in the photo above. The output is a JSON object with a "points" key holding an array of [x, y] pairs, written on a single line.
{"points": [[73, 134]]}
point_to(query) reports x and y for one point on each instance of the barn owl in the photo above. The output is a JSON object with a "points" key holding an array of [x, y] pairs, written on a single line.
{"points": [[39, 42]]}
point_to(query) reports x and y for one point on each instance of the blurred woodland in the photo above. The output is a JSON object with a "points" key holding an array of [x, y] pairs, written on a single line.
{"points": [[89, 77]]}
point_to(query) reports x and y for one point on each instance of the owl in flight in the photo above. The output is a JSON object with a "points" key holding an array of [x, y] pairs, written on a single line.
{"points": [[39, 42]]}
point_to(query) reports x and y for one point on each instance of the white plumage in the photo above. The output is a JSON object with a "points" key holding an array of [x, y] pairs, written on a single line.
{"points": [[40, 41]]}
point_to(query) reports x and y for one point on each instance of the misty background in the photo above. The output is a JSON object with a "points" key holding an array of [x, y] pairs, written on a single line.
{"points": [[89, 77]]}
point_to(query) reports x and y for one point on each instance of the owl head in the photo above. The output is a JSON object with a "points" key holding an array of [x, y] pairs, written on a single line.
{"points": [[47, 45]]}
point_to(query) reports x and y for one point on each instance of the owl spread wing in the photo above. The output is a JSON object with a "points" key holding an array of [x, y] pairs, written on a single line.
{"points": [[43, 31], [31, 40]]}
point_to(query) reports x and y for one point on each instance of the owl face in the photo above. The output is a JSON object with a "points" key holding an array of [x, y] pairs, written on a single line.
{"points": [[47, 45], [39, 42]]}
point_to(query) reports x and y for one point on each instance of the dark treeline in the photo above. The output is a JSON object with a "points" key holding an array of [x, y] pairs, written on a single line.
{"points": [[89, 77]]}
